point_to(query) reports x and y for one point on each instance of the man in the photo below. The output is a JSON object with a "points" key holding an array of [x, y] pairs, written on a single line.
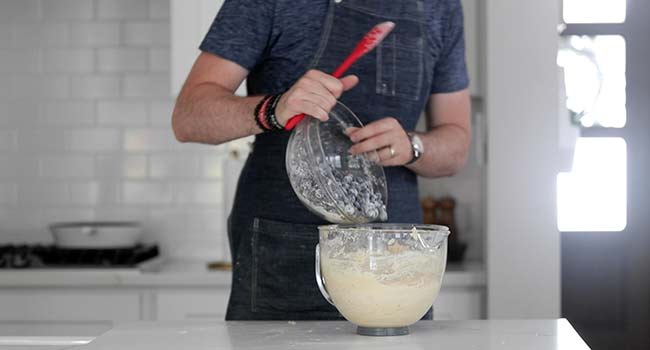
{"points": [[284, 49]]}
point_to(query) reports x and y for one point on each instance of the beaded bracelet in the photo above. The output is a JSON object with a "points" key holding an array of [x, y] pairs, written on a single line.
{"points": [[270, 114], [260, 112], [265, 117]]}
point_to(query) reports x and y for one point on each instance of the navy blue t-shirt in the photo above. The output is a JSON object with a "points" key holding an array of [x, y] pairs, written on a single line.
{"points": [[275, 40]]}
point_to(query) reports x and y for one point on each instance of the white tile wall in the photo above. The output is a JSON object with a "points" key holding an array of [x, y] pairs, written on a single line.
{"points": [[68, 60], [32, 33], [68, 9], [85, 127], [123, 60]]}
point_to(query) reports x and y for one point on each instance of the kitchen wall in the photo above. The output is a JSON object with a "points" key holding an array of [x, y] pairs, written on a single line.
{"points": [[85, 129]]}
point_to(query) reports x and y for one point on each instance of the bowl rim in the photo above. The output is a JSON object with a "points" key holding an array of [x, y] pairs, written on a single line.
{"points": [[388, 228]]}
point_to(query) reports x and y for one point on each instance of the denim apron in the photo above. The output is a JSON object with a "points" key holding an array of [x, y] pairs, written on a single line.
{"points": [[272, 235]]}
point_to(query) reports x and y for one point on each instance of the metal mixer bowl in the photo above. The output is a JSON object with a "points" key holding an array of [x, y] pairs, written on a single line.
{"points": [[381, 277], [334, 184]]}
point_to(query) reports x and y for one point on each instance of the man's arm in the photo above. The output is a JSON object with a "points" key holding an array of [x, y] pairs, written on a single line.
{"points": [[446, 144], [207, 111]]}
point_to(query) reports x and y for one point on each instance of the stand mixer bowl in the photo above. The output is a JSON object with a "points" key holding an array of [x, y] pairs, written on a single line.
{"points": [[381, 277]]}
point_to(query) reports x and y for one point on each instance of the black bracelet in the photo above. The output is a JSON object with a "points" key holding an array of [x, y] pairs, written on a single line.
{"points": [[271, 118]]}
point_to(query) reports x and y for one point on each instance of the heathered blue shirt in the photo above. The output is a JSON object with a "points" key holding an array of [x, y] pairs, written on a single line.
{"points": [[276, 41]]}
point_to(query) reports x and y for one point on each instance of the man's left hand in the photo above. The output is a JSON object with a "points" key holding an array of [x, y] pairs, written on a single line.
{"points": [[387, 137]]}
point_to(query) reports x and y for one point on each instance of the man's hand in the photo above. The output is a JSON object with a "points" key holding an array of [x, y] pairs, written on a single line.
{"points": [[387, 137], [314, 94]]}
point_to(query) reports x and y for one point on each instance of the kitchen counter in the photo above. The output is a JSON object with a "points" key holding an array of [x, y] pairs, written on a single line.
{"points": [[211, 335], [176, 273]]}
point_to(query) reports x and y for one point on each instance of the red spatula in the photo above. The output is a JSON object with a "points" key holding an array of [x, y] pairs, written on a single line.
{"points": [[369, 42]]}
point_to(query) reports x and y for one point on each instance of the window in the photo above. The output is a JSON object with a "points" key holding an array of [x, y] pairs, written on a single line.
{"points": [[593, 196], [594, 11]]}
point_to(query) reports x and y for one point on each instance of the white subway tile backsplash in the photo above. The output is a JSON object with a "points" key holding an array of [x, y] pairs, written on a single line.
{"points": [[53, 193], [67, 113], [212, 166], [121, 166], [146, 193], [68, 9], [94, 193], [19, 9], [160, 113], [40, 140], [199, 192], [15, 166], [21, 113], [159, 60], [85, 126], [121, 112], [122, 60], [5, 35], [20, 60], [68, 167], [149, 33], [68, 60], [93, 140], [95, 86], [137, 140], [8, 193], [50, 216], [174, 166], [39, 34], [122, 9], [146, 86], [40, 86], [121, 213], [7, 140], [5, 91], [159, 9], [19, 219], [94, 34]]}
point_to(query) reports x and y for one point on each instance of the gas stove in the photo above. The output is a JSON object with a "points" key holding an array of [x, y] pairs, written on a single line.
{"points": [[52, 257]]}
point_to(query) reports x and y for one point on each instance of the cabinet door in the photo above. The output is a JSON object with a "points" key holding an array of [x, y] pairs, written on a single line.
{"points": [[178, 305], [459, 304], [190, 21], [69, 305], [473, 55]]}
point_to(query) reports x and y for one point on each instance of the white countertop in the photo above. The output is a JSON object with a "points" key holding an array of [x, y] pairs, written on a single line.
{"points": [[175, 273], [487, 334]]}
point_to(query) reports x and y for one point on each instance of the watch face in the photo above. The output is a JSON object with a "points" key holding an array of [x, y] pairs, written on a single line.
{"points": [[417, 143]]}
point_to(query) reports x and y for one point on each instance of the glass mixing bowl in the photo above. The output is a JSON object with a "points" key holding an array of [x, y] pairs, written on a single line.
{"points": [[334, 184], [381, 277]]}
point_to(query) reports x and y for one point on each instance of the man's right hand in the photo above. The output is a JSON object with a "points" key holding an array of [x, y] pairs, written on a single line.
{"points": [[314, 94]]}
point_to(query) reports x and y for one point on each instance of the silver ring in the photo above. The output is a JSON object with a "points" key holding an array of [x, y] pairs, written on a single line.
{"points": [[391, 150]]}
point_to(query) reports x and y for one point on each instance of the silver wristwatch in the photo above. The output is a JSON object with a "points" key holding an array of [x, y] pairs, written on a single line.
{"points": [[417, 146]]}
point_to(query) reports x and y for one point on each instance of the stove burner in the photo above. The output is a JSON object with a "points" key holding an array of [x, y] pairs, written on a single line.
{"points": [[43, 256]]}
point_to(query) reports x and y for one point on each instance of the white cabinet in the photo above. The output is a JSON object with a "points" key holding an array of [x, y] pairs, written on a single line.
{"points": [[190, 21], [45, 304], [473, 44], [192, 304], [459, 303]]}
